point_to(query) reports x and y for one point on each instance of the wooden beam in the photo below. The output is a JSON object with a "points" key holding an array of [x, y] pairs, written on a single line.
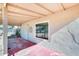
{"points": [[0, 12], [31, 19], [16, 6], [21, 14], [44, 7], [35, 18], [62, 6]]}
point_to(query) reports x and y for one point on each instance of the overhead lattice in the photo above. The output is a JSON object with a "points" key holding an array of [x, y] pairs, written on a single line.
{"points": [[19, 13]]}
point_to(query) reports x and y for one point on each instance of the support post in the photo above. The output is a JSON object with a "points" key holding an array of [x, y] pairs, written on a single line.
{"points": [[5, 27]]}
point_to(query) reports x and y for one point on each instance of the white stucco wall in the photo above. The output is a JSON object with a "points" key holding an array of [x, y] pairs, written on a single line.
{"points": [[62, 40], [28, 31], [55, 22]]}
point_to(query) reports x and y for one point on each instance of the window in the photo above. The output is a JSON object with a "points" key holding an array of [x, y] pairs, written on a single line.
{"points": [[42, 30]]}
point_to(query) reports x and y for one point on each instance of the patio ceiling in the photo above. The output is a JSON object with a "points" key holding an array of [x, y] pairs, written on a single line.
{"points": [[19, 13]]}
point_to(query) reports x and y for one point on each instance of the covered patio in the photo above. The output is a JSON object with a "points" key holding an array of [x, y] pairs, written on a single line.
{"points": [[28, 17]]}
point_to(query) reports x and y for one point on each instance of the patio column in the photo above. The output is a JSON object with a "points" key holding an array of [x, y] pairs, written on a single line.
{"points": [[5, 27]]}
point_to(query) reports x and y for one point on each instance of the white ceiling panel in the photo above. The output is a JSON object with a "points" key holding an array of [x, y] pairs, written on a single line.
{"points": [[68, 5], [54, 7]]}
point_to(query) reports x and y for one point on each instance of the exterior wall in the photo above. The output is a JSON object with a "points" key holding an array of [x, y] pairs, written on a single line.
{"points": [[62, 40], [28, 31], [55, 22]]}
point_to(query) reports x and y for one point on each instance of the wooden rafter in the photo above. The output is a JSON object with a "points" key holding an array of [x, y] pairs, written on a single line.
{"points": [[44, 7], [63, 6], [31, 19], [21, 14], [0, 11], [35, 18], [16, 6]]}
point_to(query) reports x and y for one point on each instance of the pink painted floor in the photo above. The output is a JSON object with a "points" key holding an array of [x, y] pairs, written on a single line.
{"points": [[35, 50], [21, 44], [38, 50]]}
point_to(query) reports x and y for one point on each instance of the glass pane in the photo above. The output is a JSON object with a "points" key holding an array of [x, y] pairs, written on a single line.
{"points": [[42, 30]]}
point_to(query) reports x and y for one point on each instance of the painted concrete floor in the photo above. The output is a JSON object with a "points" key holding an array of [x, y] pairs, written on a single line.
{"points": [[17, 44]]}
